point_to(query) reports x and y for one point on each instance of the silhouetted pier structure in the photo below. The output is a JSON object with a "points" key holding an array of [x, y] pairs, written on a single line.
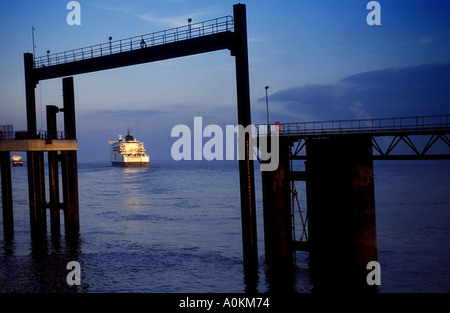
{"points": [[338, 228], [338, 168], [217, 34], [61, 147]]}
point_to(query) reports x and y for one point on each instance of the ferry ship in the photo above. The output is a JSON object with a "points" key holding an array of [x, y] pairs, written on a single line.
{"points": [[128, 152], [17, 160]]}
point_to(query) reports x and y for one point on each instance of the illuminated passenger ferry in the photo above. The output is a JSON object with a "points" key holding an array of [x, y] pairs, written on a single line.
{"points": [[17, 160], [128, 152]]}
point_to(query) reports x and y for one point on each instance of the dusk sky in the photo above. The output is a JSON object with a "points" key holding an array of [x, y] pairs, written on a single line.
{"points": [[320, 59]]}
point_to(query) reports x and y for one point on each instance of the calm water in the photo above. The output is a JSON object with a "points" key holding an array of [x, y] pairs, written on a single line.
{"points": [[175, 227]]}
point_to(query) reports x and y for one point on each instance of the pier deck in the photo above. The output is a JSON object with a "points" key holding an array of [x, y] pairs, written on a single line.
{"points": [[39, 145]]}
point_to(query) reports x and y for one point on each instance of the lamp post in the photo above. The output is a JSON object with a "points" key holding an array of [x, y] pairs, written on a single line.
{"points": [[34, 46], [267, 109], [189, 27]]}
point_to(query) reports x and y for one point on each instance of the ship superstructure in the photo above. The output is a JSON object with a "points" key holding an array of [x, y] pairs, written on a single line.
{"points": [[128, 152]]}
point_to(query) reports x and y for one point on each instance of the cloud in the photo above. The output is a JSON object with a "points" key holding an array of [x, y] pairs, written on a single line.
{"points": [[121, 9], [315, 94], [407, 91], [426, 39], [171, 21], [122, 113], [443, 36], [359, 111]]}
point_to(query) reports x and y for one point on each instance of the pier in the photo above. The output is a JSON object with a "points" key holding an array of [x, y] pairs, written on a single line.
{"points": [[339, 227], [61, 148], [229, 32]]}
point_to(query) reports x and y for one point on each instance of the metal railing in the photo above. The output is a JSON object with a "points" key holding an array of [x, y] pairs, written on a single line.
{"points": [[209, 27], [6, 132], [25, 134], [363, 126]]}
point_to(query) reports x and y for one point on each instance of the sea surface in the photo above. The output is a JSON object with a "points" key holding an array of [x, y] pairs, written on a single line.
{"points": [[176, 227]]}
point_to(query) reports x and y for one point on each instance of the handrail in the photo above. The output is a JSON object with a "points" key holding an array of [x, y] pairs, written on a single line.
{"points": [[209, 27], [361, 126], [317, 128], [39, 134]]}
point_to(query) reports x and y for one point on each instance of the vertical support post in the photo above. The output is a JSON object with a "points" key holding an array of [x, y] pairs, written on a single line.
{"points": [[42, 200], [277, 210], [341, 211], [36, 190], [53, 175], [8, 220], [69, 163], [246, 167], [30, 85], [36, 194], [70, 131]]}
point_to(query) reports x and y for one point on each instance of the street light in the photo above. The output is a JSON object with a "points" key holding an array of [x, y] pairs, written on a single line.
{"points": [[267, 108], [189, 27]]}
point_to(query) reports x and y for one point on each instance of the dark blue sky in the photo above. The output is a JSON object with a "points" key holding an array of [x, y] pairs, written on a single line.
{"points": [[320, 59]]}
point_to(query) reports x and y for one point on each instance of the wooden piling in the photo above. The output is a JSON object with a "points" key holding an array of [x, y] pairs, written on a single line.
{"points": [[7, 202], [69, 166], [341, 211], [53, 173], [36, 193], [277, 210]]}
